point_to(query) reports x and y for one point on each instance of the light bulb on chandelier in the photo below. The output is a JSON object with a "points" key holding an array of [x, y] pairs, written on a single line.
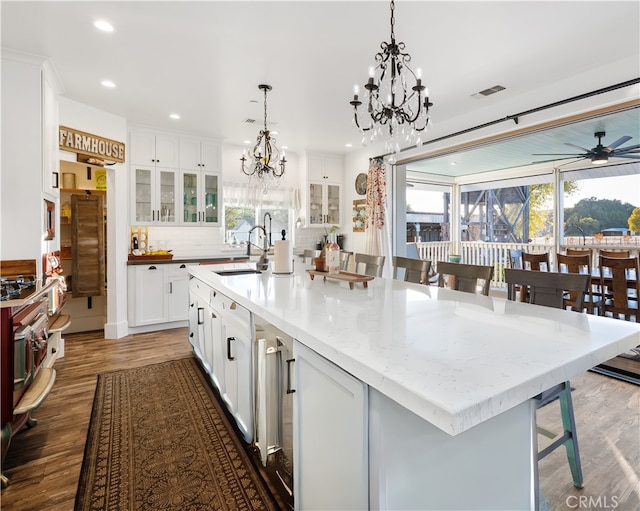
{"points": [[401, 110]]}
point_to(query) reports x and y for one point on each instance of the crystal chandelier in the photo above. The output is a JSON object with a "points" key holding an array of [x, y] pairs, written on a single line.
{"points": [[265, 163], [393, 104]]}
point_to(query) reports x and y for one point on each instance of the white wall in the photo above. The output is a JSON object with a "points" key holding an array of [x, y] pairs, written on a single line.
{"points": [[355, 163], [91, 120]]}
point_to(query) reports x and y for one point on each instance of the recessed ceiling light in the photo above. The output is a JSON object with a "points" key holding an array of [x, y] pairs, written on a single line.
{"points": [[285, 147], [274, 132], [453, 163], [105, 26], [174, 116], [348, 145], [108, 83], [247, 142]]}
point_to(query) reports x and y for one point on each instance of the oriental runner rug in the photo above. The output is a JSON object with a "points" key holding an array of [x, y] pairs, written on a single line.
{"points": [[159, 440]]}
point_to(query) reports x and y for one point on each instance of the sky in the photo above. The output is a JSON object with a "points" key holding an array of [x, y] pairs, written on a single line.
{"points": [[623, 188]]}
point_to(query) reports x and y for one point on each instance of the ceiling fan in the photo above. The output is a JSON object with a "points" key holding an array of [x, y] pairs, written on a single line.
{"points": [[600, 154]]}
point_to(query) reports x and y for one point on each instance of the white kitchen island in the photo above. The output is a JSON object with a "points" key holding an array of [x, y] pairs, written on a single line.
{"points": [[414, 397]]}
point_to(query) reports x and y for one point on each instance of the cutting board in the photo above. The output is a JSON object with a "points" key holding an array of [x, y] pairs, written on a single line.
{"points": [[345, 276]]}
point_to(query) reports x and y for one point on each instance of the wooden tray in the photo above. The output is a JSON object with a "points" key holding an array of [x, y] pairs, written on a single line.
{"points": [[346, 276], [159, 257]]}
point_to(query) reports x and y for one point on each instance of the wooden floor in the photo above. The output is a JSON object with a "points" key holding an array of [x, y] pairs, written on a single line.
{"points": [[43, 463]]}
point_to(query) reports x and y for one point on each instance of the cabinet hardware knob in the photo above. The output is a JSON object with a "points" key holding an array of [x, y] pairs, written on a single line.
{"points": [[152, 268], [183, 266], [229, 339], [170, 287], [289, 363]]}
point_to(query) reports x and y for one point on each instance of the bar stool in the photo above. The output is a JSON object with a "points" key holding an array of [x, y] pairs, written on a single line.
{"points": [[549, 289]]}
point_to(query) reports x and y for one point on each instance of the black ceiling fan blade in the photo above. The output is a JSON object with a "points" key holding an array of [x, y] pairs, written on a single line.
{"points": [[618, 142], [577, 157], [631, 156], [627, 149], [557, 154], [578, 147]]}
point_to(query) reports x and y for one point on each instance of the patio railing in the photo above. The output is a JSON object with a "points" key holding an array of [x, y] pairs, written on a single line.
{"points": [[497, 253]]}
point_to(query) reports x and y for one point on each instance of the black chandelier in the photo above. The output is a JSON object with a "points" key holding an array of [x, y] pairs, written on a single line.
{"points": [[392, 104], [265, 163]]}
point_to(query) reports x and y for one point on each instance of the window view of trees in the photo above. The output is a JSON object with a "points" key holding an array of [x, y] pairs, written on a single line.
{"points": [[238, 221], [601, 209], [594, 215]]}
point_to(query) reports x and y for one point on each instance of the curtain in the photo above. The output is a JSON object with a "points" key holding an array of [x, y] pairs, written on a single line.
{"points": [[378, 240]]}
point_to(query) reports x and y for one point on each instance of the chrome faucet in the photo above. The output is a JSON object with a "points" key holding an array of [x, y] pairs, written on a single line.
{"points": [[264, 224], [263, 262]]}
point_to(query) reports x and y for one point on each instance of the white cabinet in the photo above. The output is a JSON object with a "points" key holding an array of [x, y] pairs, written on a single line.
{"points": [[221, 334], [158, 293], [154, 196], [50, 154], [177, 300], [324, 179], [238, 377], [29, 155], [200, 198], [324, 168], [200, 155], [198, 300], [323, 203], [149, 298], [330, 435], [153, 149]]}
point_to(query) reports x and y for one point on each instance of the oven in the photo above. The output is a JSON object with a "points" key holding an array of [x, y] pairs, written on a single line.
{"points": [[30, 334]]}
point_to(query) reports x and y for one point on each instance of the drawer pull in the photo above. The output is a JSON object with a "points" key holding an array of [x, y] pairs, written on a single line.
{"points": [[229, 339], [200, 315], [289, 364]]}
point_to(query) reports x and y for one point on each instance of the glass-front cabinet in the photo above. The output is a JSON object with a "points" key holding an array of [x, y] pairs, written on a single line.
{"points": [[324, 204], [154, 196], [200, 198]]}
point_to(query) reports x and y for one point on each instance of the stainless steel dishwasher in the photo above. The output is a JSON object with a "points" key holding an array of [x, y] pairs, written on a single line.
{"points": [[274, 406]]}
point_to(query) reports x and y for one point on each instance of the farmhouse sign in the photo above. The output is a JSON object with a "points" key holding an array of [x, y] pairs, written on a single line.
{"points": [[91, 146]]}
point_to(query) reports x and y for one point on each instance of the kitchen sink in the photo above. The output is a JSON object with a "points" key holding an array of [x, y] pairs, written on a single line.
{"points": [[246, 271]]}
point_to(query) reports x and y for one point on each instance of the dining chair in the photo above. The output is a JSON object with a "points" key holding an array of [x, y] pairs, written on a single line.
{"points": [[580, 263], [549, 289], [619, 280], [515, 258], [465, 277], [345, 257], [581, 251], [615, 253], [369, 264], [415, 270], [309, 255], [535, 261]]}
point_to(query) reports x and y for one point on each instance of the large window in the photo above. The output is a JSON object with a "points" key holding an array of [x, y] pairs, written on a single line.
{"points": [[239, 220], [518, 210], [246, 207], [598, 203], [428, 212]]}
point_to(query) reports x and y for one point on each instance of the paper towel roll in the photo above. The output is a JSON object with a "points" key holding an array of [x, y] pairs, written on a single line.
{"points": [[283, 257]]}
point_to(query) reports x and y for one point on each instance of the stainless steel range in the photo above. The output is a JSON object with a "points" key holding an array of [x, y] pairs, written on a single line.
{"points": [[26, 307]]}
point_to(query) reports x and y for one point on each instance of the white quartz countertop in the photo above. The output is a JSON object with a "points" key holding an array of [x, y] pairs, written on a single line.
{"points": [[454, 359]]}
